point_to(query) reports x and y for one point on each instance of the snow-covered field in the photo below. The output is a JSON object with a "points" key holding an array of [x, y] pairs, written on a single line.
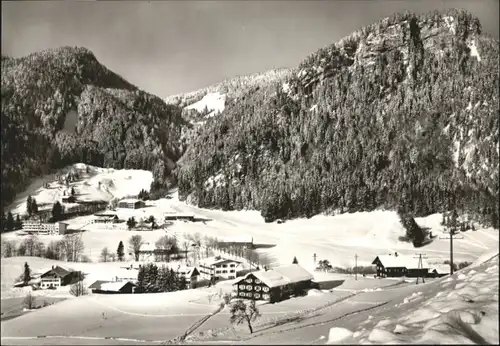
{"points": [[95, 184], [12, 268], [336, 238]]}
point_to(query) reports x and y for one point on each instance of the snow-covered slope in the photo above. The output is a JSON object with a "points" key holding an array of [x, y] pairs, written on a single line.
{"points": [[94, 183], [335, 238], [461, 309], [213, 103]]}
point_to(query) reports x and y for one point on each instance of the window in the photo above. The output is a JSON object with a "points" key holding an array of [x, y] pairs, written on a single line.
{"points": [[224, 266], [265, 289], [242, 287], [232, 265], [265, 296], [249, 280], [257, 288], [242, 294], [232, 271], [257, 281], [224, 272], [257, 295], [217, 266], [217, 272], [249, 287]]}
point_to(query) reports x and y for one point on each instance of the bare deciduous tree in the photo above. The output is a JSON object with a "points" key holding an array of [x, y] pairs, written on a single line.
{"points": [[185, 246], [113, 204], [29, 301], [167, 246], [73, 247], [9, 248], [240, 312], [196, 244], [105, 254], [135, 243], [31, 246], [55, 250], [78, 289]]}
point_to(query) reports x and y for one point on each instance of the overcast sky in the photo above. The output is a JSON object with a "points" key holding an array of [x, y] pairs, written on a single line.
{"points": [[168, 47]]}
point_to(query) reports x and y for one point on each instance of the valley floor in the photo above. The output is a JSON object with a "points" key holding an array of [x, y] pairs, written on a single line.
{"points": [[100, 319]]}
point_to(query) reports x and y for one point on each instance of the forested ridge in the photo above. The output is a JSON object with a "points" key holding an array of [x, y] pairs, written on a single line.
{"points": [[402, 114], [115, 124]]}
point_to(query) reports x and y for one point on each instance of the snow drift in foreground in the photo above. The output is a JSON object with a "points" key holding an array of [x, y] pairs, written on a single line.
{"points": [[462, 310]]}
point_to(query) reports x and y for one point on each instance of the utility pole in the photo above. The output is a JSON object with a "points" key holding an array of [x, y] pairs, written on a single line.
{"points": [[356, 266], [452, 231], [420, 267], [314, 258]]}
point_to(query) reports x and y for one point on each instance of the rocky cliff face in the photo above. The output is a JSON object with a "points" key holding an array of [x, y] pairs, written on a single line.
{"points": [[400, 114]]}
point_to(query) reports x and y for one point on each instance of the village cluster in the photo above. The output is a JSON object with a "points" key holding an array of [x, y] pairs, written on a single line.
{"points": [[253, 278]]}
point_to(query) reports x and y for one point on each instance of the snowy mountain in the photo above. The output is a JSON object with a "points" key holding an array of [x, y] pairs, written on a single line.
{"points": [[399, 114], [209, 101], [62, 106]]}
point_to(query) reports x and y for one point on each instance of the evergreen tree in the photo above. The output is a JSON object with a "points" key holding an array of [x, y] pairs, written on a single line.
{"points": [[29, 206], [160, 280], [4, 222], [18, 223], [10, 222], [34, 206], [174, 281], [26, 274], [57, 211], [120, 251], [131, 223], [182, 283], [141, 283], [295, 261], [73, 191]]}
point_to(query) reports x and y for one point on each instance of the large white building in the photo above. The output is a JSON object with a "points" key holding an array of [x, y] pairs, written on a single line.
{"points": [[45, 228], [219, 268]]}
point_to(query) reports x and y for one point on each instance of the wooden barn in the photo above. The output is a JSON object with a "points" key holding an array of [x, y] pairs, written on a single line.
{"points": [[131, 204], [438, 271], [175, 216], [274, 285], [69, 199], [107, 287], [58, 276], [105, 218], [237, 241], [400, 265]]}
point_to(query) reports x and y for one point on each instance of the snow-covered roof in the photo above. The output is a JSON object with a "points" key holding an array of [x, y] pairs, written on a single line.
{"points": [[401, 261], [440, 268], [271, 278], [147, 247], [281, 275], [294, 272], [187, 271], [130, 200], [114, 286], [237, 239], [210, 261]]}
